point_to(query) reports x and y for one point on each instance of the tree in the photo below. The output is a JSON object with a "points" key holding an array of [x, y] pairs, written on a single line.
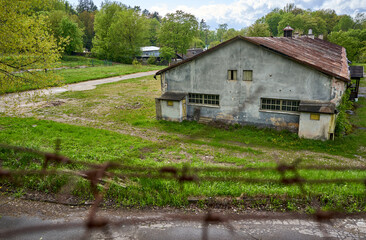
{"points": [[70, 30], [87, 18], [154, 27], [221, 31], [25, 43], [258, 30], [63, 27], [353, 40], [204, 30], [272, 19], [177, 31], [167, 53], [86, 5], [119, 33], [345, 23]]}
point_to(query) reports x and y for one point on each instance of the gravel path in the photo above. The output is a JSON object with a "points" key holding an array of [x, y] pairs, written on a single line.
{"points": [[23, 98]]}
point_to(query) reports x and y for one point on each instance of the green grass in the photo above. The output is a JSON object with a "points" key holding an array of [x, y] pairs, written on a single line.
{"points": [[84, 74], [132, 102], [98, 145], [75, 61]]}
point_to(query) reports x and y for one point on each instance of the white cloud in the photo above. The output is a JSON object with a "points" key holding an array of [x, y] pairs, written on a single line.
{"points": [[245, 12]]}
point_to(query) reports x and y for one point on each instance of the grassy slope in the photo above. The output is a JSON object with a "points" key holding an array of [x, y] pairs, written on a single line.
{"points": [[130, 105]]}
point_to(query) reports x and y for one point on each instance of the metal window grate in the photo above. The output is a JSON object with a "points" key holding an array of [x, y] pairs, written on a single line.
{"points": [[206, 99], [280, 105]]}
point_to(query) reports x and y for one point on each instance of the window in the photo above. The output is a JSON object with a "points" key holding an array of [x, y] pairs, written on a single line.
{"points": [[232, 74], [248, 75], [280, 105], [170, 103], [315, 116], [205, 99]]}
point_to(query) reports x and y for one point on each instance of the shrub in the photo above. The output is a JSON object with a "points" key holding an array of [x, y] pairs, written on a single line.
{"points": [[343, 125]]}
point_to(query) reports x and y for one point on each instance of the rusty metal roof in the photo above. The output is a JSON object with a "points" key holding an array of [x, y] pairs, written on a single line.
{"points": [[321, 55]]}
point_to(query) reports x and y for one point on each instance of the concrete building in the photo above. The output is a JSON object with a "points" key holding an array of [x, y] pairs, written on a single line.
{"points": [[292, 83]]}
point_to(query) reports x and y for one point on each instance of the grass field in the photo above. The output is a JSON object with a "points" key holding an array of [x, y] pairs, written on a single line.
{"points": [[95, 69], [117, 122]]}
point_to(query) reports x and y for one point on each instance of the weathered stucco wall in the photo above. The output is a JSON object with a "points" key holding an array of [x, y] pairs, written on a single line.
{"points": [[316, 129], [171, 113], [274, 76]]}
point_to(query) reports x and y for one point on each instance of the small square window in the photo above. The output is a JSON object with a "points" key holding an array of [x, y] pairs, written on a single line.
{"points": [[248, 75], [315, 116], [232, 75], [170, 103]]}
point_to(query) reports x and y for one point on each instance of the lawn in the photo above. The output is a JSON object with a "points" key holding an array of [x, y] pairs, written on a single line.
{"points": [[117, 122], [95, 69]]}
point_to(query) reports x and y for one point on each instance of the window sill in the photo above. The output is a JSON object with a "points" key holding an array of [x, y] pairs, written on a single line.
{"points": [[280, 112], [203, 105]]}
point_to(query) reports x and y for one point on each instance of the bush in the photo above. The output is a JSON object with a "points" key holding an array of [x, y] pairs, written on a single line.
{"points": [[136, 63], [151, 60], [343, 125]]}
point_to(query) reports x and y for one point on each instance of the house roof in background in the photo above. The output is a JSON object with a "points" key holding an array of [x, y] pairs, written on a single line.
{"points": [[321, 55], [149, 48]]}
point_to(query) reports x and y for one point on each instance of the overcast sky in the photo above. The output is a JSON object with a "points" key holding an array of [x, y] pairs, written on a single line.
{"points": [[237, 13]]}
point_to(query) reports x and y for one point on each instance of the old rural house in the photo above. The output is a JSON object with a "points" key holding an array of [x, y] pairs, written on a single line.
{"points": [[292, 83]]}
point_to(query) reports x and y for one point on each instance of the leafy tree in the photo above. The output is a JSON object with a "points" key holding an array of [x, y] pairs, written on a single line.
{"points": [[86, 5], [87, 18], [177, 31], [154, 27], [70, 30], [167, 53], [302, 23], [63, 27], [119, 33], [360, 21], [197, 43], [345, 23], [25, 43], [214, 44], [329, 16], [230, 33], [351, 40], [204, 30], [221, 31], [258, 30], [272, 19]]}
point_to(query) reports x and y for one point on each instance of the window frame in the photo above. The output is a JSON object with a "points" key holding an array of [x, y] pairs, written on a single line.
{"points": [[203, 99], [232, 75], [244, 75], [279, 105]]}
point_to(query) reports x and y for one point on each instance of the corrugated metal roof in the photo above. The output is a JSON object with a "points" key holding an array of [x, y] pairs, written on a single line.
{"points": [[324, 56], [356, 71]]}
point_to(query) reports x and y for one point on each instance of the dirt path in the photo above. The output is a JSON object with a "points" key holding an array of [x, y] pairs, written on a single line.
{"points": [[24, 99]]}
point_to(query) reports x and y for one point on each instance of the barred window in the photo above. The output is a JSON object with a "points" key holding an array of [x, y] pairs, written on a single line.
{"points": [[206, 99], [248, 75], [232, 74], [280, 105]]}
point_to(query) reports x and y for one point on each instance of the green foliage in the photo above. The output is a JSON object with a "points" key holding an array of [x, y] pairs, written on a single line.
{"points": [[87, 19], [25, 43], [214, 43], [345, 23], [151, 60], [259, 30], [119, 33], [353, 40], [302, 23], [177, 31], [69, 30], [136, 63], [343, 125], [167, 53], [154, 28]]}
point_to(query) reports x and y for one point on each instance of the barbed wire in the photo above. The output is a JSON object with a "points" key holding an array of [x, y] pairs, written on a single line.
{"points": [[96, 174]]}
